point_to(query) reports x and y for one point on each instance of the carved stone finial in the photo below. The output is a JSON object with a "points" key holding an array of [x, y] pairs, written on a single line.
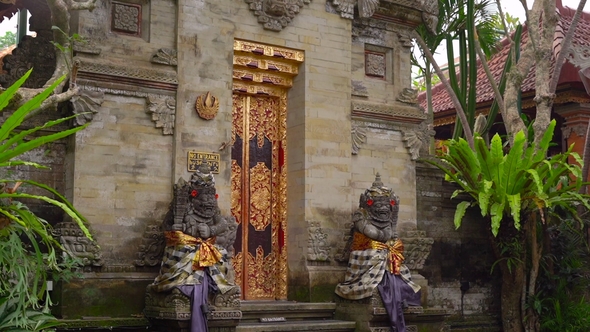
{"points": [[166, 56], [276, 14], [207, 106], [408, 96], [346, 7]]}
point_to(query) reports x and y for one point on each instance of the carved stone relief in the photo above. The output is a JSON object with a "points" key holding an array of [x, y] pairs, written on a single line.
{"points": [[430, 14], [408, 96], [359, 89], [346, 7], [359, 136], [77, 245], [126, 18], [276, 14], [86, 104], [152, 247], [318, 249], [37, 51], [375, 64], [417, 248], [166, 56], [417, 141], [145, 77], [579, 129], [163, 111]]}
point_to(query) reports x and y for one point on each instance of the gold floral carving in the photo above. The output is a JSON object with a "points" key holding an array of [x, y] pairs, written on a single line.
{"points": [[267, 50], [238, 264], [262, 283], [236, 190], [282, 200], [207, 106], [263, 119], [237, 118], [260, 213]]}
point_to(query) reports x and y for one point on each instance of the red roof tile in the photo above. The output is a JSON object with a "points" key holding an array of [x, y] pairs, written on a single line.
{"points": [[442, 102]]}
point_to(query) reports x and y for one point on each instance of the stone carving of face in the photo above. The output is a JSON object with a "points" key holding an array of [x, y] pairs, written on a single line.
{"points": [[380, 209], [205, 204], [276, 7]]}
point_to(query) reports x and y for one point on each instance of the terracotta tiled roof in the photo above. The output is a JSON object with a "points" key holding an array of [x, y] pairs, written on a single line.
{"points": [[569, 74]]}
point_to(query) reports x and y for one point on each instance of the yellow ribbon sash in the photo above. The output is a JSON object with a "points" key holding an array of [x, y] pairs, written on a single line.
{"points": [[206, 255], [395, 250]]}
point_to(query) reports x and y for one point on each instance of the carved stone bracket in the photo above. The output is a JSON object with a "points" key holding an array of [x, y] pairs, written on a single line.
{"points": [[161, 107], [418, 140], [77, 245], [163, 111], [344, 7], [166, 56], [86, 46], [276, 14], [417, 248], [86, 104], [359, 136], [318, 249]]}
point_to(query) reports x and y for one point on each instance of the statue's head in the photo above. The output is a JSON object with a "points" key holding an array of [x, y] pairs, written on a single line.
{"points": [[202, 193], [381, 202]]}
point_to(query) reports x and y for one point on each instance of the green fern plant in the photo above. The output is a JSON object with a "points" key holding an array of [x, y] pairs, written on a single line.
{"points": [[28, 251], [512, 183]]}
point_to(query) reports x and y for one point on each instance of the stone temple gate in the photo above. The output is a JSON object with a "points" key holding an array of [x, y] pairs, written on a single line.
{"points": [[296, 104]]}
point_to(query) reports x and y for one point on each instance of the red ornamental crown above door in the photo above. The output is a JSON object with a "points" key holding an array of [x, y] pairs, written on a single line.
{"points": [[276, 14]]}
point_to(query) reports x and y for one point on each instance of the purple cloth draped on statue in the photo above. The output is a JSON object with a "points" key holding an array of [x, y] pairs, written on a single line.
{"points": [[394, 291], [198, 294]]}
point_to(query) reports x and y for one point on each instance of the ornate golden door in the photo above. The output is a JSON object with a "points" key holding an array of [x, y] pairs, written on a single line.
{"points": [[258, 195], [262, 75]]}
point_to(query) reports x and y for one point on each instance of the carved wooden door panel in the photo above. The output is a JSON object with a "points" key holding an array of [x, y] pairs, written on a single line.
{"points": [[259, 195]]}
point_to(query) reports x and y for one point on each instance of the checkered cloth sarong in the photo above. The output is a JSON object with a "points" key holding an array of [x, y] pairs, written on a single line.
{"points": [[177, 269], [365, 271]]}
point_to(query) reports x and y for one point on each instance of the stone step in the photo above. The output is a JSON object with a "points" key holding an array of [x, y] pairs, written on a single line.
{"points": [[301, 325], [253, 311]]}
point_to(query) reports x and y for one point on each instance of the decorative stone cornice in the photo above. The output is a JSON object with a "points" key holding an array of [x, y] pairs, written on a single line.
{"points": [[387, 112], [276, 14], [131, 75]]}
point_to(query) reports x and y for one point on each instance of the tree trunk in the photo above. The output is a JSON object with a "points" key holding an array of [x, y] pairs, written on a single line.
{"points": [[511, 296]]}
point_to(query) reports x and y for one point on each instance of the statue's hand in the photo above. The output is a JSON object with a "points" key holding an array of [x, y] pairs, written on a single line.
{"points": [[178, 227], [204, 230]]}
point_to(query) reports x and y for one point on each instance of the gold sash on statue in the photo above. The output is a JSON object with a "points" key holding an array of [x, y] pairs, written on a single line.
{"points": [[395, 249], [206, 255]]}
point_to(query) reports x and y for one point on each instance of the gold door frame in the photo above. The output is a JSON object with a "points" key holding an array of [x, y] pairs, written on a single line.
{"points": [[268, 71]]}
